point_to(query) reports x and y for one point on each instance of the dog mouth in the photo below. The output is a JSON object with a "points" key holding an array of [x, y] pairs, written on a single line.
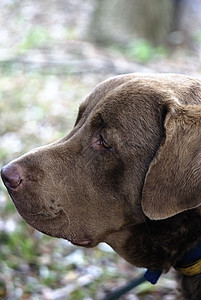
{"points": [[43, 219], [36, 220], [83, 243]]}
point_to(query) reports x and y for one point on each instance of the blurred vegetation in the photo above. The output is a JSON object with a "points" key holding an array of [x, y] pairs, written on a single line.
{"points": [[48, 65], [141, 50]]}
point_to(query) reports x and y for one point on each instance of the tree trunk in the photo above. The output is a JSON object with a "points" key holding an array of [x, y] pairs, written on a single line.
{"points": [[124, 20]]}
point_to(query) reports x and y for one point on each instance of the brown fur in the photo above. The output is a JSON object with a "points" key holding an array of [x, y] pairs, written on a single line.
{"points": [[127, 174]]}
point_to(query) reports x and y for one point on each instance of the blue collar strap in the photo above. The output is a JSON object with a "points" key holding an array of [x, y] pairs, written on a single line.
{"points": [[189, 265], [152, 276], [191, 255]]}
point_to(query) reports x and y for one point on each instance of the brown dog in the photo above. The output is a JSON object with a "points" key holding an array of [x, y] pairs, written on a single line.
{"points": [[128, 174]]}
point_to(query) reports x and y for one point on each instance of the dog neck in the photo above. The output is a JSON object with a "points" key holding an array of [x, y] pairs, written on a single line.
{"points": [[159, 245]]}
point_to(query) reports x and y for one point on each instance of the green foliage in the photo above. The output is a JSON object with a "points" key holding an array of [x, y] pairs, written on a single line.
{"points": [[3, 154], [197, 36], [20, 243], [79, 294], [36, 37], [143, 51], [140, 50]]}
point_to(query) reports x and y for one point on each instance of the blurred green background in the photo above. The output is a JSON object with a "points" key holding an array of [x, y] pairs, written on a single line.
{"points": [[52, 54]]}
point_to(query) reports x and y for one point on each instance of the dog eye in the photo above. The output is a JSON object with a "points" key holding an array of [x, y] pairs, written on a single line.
{"points": [[103, 143]]}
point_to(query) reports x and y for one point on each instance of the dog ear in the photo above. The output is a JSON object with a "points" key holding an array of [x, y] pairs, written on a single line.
{"points": [[172, 183]]}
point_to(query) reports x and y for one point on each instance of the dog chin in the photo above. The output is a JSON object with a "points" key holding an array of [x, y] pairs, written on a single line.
{"points": [[83, 242]]}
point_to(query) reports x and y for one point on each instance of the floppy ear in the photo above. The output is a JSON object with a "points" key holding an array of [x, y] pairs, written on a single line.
{"points": [[173, 181]]}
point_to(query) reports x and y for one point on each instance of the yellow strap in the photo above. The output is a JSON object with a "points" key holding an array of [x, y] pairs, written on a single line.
{"points": [[192, 270]]}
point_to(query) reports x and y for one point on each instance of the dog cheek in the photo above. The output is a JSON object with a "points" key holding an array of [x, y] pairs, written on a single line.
{"points": [[114, 176]]}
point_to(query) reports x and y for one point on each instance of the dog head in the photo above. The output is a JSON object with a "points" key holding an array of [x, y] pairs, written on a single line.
{"points": [[134, 152]]}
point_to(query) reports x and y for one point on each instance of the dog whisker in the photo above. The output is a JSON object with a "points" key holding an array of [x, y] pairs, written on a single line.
{"points": [[35, 214], [69, 222]]}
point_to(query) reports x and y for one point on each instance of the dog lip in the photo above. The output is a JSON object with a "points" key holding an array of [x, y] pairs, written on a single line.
{"points": [[80, 242], [14, 188]]}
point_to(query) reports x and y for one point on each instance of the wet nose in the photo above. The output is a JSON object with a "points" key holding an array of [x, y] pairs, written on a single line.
{"points": [[11, 176]]}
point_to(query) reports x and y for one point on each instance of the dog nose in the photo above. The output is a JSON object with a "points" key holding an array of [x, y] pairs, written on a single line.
{"points": [[11, 176]]}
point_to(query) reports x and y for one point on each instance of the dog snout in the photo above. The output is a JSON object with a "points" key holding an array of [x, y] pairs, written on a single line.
{"points": [[12, 176]]}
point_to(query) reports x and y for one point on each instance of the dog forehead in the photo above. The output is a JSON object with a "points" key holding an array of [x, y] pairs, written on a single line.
{"points": [[127, 94], [116, 89], [107, 88], [123, 87], [110, 108], [119, 100], [103, 98]]}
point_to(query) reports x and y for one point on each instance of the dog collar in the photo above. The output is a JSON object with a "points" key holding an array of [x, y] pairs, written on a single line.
{"points": [[188, 265]]}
